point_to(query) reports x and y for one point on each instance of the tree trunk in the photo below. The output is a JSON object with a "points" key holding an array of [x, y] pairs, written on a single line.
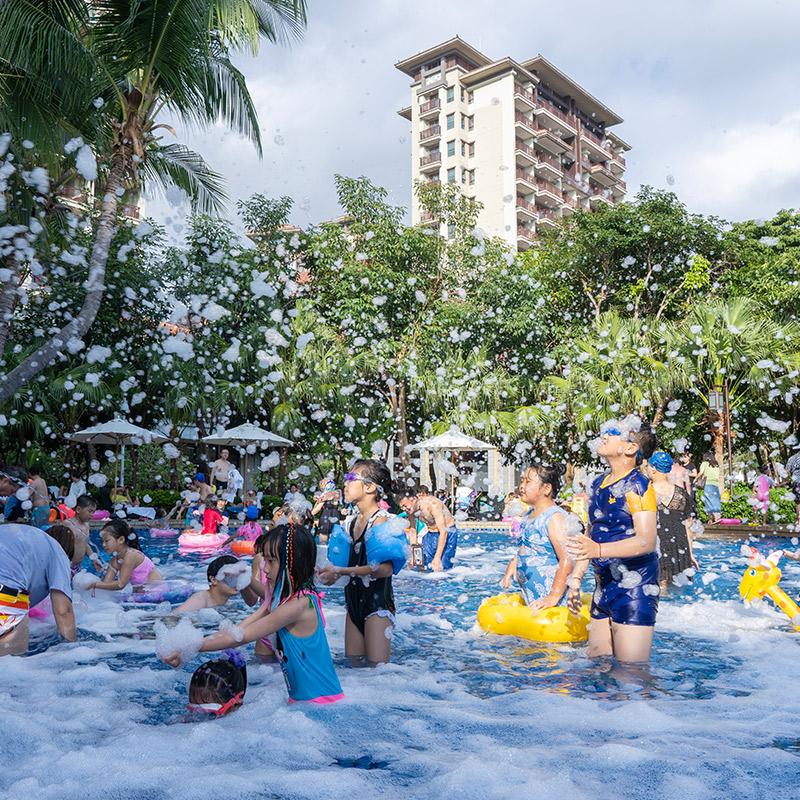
{"points": [[95, 287], [397, 400], [8, 300]]}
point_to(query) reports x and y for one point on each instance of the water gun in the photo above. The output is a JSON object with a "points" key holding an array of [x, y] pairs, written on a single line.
{"points": [[762, 578]]}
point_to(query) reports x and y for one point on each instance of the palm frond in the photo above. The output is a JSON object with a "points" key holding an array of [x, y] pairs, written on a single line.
{"points": [[176, 165]]}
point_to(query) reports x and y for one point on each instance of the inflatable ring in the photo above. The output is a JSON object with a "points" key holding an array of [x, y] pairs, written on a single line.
{"points": [[163, 532], [508, 615], [156, 592], [196, 539], [243, 547]]}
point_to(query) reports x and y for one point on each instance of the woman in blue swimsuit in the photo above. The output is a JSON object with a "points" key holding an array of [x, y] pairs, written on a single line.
{"points": [[542, 564]]}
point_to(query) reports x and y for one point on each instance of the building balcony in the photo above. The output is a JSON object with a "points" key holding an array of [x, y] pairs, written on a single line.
{"points": [[524, 99], [527, 124], [547, 218], [526, 210], [526, 155], [525, 237], [431, 133], [599, 199], [548, 116], [571, 205], [618, 190], [591, 144], [548, 141], [431, 162], [430, 108], [617, 163], [548, 166], [601, 175], [528, 178], [426, 217], [577, 183], [547, 194]]}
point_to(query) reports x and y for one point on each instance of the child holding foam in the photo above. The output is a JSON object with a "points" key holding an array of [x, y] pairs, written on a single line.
{"points": [[295, 616]]}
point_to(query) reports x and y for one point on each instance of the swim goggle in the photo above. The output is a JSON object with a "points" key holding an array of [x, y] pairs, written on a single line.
{"points": [[217, 709], [351, 476], [17, 480], [625, 438]]}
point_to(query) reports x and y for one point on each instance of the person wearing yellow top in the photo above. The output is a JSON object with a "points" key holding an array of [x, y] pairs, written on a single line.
{"points": [[621, 545], [711, 473]]}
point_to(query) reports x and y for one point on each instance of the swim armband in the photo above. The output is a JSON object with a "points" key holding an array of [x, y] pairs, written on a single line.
{"points": [[339, 546], [388, 542]]}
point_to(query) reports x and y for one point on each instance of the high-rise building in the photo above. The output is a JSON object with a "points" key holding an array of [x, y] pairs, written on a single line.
{"points": [[522, 138]]}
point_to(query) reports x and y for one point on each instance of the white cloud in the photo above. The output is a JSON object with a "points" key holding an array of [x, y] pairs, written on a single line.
{"points": [[707, 91]]}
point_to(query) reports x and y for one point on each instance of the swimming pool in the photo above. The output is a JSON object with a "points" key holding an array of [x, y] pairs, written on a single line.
{"points": [[458, 713]]}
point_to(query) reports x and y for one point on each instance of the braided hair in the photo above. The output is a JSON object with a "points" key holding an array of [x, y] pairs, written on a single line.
{"points": [[220, 680], [294, 547]]}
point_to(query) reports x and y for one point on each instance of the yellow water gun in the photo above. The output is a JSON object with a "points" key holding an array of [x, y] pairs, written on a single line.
{"points": [[762, 578]]}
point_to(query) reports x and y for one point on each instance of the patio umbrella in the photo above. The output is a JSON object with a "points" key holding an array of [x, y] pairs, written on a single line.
{"points": [[118, 432], [453, 440], [242, 436]]}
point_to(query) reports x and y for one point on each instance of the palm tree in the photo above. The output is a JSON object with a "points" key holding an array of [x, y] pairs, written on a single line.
{"points": [[137, 60], [618, 368], [737, 342]]}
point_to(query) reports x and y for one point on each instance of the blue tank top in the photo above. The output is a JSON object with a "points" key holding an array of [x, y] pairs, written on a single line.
{"points": [[307, 664]]}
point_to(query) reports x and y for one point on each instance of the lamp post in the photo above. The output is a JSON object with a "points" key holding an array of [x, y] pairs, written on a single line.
{"points": [[718, 400]]}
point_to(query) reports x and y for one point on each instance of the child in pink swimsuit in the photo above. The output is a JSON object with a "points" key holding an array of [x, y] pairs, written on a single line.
{"points": [[128, 563]]}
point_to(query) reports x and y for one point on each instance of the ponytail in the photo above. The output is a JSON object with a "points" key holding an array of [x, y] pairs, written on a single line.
{"points": [[120, 529]]}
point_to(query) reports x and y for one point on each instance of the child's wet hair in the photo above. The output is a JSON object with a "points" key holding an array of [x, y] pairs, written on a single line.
{"points": [[550, 474], [217, 564], [646, 440], [85, 501], [294, 547], [376, 471], [65, 537], [218, 681], [120, 529]]}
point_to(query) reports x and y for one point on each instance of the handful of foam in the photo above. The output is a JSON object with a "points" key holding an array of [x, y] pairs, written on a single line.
{"points": [[385, 542], [183, 638]]}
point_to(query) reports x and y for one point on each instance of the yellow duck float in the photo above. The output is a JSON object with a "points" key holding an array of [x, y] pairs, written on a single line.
{"points": [[762, 578], [508, 615]]}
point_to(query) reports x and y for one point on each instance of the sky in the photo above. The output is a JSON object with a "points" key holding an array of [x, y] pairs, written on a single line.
{"points": [[707, 90]]}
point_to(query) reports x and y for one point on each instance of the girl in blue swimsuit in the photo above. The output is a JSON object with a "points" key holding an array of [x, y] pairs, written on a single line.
{"points": [[295, 615], [542, 565]]}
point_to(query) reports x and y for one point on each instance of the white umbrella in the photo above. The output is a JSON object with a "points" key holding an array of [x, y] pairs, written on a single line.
{"points": [[118, 432], [244, 435], [452, 440]]}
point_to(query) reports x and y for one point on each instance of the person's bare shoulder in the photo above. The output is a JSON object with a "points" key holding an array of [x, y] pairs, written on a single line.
{"points": [[197, 601]]}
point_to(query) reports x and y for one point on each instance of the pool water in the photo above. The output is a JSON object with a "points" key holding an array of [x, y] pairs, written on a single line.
{"points": [[458, 713]]}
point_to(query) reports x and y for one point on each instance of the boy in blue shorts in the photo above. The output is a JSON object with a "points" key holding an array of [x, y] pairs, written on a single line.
{"points": [[622, 547]]}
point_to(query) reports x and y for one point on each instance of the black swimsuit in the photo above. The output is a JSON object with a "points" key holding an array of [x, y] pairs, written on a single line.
{"points": [[377, 596]]}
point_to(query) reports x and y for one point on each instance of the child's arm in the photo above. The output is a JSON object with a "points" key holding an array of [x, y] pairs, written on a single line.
{"points": [[257, 626], [121, 581], [511, 570], [557, 531], [329, 575]]}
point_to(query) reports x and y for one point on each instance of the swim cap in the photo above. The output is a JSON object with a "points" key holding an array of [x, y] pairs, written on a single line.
{"points": [[661, 461], [251, 512], [200, 478]]}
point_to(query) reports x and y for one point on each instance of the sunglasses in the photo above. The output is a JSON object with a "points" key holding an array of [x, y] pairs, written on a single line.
{"points": [[217, 709]]}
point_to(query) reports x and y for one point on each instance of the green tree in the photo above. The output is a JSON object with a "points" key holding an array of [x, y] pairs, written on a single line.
{"points": [[138, 60]]}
